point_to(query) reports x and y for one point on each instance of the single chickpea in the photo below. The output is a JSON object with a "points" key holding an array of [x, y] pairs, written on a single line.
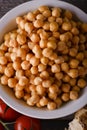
{"points": [[81, 71], [73, 52], [43, 8], [7, 36], [31, 16], [68, 14], [41, 67], [3, 47], [65, 88], [43, 101], [72, 82], [26, 96], [66, 26], [56, 35], [84, 27], [51, 105], [33, 100], [81, 83], [53, 57], [12, 82], [46, 83], [55, 68], [34, 37], [22, 23], [65, 97], [34, 70], [37, 80], [19, 87], [16, 65], [25, 65], [29, 27], [52, 96], [21, 39], [38, 23], [23, 81], [73, 73], [46, 26], [59, 75], [9, 71], [40, 16], [58, 102], [25, 46], [56, 12], [19, 94], [84, 63], [80, 56], [4, 80], [8, 56], [47, 13], [64, 37], [44, 60], [66, 78], [40, 89], [73, 95], [21, 52], [59, 60], [75, 40], [44, 74], [37, 51], [27, 89], [51, 19], [51, 44], [18, 20], [51, 62], [75, 31], [32, 88], [28, 56], [44, 35], [34, 61], [74, 63], [47, 52], [2, 69], [3, 60], [32, 77], [19, 73], [43, 43], [53, 89], [54, 26], [64, 67]]}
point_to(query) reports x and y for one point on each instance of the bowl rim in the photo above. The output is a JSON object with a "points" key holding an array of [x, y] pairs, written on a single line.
{"points": [[34, 112]]}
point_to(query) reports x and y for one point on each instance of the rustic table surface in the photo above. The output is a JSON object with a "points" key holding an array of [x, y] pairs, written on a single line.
{"points": [[5, 6]]}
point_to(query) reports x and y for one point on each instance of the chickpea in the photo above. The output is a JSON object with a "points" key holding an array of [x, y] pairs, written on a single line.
{"points": [[44, 74], [3, 47], [84, 27], [64, 37], [65, 88], [43, 101], [19, 73], [40, 16], [21, 52], [31, 16], [46, 26], [84, 63], [59, 75], [81, 71], [66, 78], [12, 82], [75, 31], [74, 63], [16, 65], [53, 57], [81, 83], [59, 60], [18, 19], [37, 51], [66, 26], [34, 70], [41, 67], [47, 52], [44, 35], [40, 89], [2, 53], [28, 56], [72, 82], [51, 19], [38, 23], [56, 12], [59, 21], [34, 61], [32, 88], [76, 40], [3, 60], [64, 67], [25, 65], [65, 97], [2, 69], [4, 80], [80, 56], [26, 97], [73, 52], [37, 80], [43, 8], [68, 14], [76, 88], [44, 60], [73, 95], [19, 94], [23, 81], [54, 26], [8, 56], [34, 37], [52, 96], [29, 27], [32, 77], [9, 71], [43, 43], [19, 87], [51, 105], [21, 39], [53, 89], [73, 73], [51, 44], [46, 83], [55, 68]]}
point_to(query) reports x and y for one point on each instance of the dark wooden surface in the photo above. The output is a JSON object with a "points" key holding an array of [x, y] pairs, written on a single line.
{"points": [[5, 6]]}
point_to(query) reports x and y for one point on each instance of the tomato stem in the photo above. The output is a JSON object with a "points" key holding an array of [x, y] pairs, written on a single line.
{"points": [[4, 124]]}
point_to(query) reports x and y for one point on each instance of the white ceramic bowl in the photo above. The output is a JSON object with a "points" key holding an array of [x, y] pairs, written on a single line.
{"points": [[7, 23]]}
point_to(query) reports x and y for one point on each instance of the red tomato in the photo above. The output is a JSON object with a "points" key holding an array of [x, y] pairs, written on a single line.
{"points": [[1, 127], [7, 113], [27, 123]]}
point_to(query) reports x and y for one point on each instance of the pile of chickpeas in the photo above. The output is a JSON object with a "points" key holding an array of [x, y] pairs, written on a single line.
{"points": [[44, 60]]}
